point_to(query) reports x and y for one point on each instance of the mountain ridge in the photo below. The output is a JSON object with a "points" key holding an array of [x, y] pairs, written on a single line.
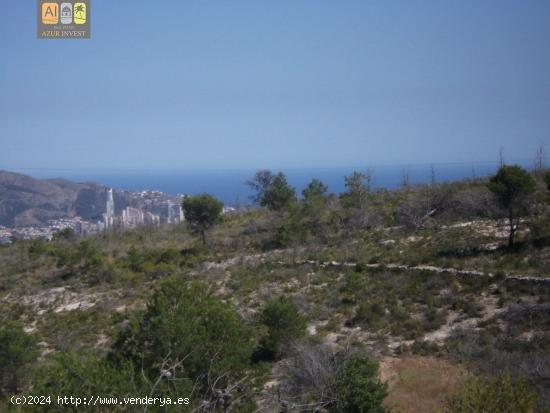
{"points": [[27, 201]]}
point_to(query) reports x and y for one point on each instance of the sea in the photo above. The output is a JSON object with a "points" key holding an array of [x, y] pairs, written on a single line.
{"points": [[230, 185]]}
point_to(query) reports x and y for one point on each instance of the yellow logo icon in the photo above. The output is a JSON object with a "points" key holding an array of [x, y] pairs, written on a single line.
{"points": [[80, 13], [50, 13]]}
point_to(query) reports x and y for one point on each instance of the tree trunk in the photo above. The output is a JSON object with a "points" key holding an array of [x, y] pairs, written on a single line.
{"points": [[203, 236], [512, 231]]}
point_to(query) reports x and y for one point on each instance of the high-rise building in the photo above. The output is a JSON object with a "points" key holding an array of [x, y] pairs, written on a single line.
{"points": [[110, 203], [132, 217], [169, 216], [180, 212], [109, 217], [151, 219]]}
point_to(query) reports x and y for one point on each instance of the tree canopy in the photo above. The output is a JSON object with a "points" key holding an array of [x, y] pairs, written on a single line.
{"points": [[314, 190], [358, 187], [512, 186], [272, 191], [201, 213]]}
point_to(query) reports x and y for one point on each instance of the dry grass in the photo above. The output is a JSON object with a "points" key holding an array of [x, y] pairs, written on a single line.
{"points": [[420, 384]]}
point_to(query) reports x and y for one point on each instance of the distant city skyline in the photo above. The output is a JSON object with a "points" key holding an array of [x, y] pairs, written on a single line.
{"points": [[286, 84]]}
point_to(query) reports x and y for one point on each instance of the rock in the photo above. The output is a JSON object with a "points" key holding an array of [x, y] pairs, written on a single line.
{"points": [[78, 305]]}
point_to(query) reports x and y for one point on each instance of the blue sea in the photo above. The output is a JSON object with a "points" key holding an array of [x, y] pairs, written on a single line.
{"points": [[229, 185]]}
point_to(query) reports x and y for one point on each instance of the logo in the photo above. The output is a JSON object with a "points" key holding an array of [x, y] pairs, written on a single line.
{"points": [[80, 13], [63, 19], [66, 13], [50, 13]]}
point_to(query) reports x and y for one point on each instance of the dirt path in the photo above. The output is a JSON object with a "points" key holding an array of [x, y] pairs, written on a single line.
{"points": [[263, 258]]}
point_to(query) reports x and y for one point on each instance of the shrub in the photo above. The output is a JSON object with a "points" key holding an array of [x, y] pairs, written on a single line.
{"points": [[17, 350], [353, 287], [156, 271], [186, 325], [497, 395], [470, 307], [309, 375], [424, 348], [65, 234], [358, 388], [292, 229], [284, 324], [38, 247], [135, 259], [168, 256], [321, 380], [412, 328], [371, 313], [84, 375], [186, 344]]}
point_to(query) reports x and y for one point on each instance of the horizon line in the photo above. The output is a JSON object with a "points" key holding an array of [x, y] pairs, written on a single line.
{"points": [[291, 168]]}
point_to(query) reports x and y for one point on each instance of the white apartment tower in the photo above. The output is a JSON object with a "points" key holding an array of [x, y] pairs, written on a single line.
{"points": [[180, 210], [169, 217], [110, 209]]}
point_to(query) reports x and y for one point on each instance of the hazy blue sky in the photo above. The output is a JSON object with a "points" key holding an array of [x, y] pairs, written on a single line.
{"points": [[229, 84]]}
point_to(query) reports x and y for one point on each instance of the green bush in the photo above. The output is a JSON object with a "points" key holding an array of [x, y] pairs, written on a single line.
{"points": [[186, 324], [283, 323], [187, 343], [67, 234], [293, 228], [424, 348], [84, 375], [412, 329], [353, 287], [135, 259], [17, 350], [156, 271], [470, 307], [167, 256], [434, 318], [38, 247], [371, 313], [497, 395], [358, 388]]}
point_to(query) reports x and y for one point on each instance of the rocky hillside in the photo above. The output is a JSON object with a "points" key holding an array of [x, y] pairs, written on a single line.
{"points": [[438, 300]]}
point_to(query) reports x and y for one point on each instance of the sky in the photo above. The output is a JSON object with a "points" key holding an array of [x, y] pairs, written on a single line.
{"points": [[201, 84]]}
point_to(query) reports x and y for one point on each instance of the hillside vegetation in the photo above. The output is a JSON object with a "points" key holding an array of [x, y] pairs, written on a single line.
{"points": [[413, 300]]}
